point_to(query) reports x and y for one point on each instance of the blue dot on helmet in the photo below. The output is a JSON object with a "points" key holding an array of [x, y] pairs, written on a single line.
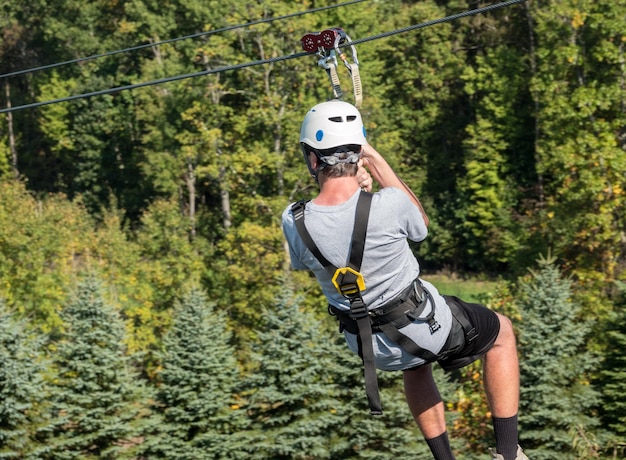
{"points": [[364, 133], [319, 135]]}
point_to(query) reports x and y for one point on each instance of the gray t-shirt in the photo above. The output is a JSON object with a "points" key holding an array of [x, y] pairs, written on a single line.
{"points": [[388, 266]]}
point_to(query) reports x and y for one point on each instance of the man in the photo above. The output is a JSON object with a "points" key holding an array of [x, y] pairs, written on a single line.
{"points": [[430, 326]]}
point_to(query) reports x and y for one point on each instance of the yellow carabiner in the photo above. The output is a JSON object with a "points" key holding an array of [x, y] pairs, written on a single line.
{"points": [[348, 281]]}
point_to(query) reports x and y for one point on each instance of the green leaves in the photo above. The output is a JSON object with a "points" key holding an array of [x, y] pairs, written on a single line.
{"points": [[509, 126], [580, 150]]}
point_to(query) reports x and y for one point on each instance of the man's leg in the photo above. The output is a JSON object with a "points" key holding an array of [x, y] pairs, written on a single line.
{"points": [[501, 376], [427, 408]]}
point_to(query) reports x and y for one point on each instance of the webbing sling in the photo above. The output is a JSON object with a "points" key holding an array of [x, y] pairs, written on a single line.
{"points": [[358, 309]]}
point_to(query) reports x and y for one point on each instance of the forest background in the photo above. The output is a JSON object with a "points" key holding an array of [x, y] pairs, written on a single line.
{"points": [[147, 306]]}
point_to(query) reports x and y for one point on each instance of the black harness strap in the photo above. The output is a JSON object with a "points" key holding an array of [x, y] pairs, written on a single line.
{"points": [[298, 214], [358, 309], [470, 332], [406, 308], [359, 232]]}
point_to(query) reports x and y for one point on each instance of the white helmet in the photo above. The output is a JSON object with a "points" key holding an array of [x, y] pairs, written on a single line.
{"points": [[331, 128]]}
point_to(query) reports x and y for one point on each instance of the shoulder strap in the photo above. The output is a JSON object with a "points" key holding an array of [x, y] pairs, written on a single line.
{"points": [[297, 209], [359, 232]]}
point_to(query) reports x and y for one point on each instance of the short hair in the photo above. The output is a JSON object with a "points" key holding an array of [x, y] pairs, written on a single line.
{"points": [[338, 170]]}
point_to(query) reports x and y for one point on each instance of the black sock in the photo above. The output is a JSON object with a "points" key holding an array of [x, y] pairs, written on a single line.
{"points": [[505, 430], [440, 447]]}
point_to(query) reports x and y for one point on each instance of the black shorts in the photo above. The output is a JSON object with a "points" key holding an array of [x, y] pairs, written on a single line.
{"points": [[487, 326]]}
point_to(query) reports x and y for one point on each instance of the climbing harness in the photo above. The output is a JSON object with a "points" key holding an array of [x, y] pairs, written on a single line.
{"points": [[328, 45], [349, 282], [400, 312]]}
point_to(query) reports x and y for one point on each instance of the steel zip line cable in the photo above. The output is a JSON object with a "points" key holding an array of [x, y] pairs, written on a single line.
{"points": [[263, 61], [172, 40]]}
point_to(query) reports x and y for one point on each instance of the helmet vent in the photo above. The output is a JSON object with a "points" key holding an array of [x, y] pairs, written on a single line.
{"points": [[340, 119]]}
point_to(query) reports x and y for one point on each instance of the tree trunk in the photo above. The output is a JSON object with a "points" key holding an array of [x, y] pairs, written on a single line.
{"points": [[225, 197], [12, 148], [533, 69], [190, 179]]}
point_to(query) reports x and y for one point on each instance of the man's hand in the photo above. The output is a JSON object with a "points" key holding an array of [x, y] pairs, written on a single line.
{"points": [[364, 177]]}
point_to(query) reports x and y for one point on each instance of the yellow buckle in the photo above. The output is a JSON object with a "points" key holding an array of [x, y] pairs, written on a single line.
{"points": [[348, 281]]}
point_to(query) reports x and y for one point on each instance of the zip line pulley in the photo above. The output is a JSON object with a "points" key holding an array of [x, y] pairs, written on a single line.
{"points": [[328, 45]]}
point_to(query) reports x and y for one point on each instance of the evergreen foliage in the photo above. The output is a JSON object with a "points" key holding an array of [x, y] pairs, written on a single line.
{"points": [[556, 396], [196, 411], [612, 380], [95, 394], [306, 397], [394, 435], [509, 125], [21, 387], [292, 397]]}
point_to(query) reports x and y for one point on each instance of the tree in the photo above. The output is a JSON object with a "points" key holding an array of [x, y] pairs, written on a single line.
{"points": [[556, 396], [394, 435], [612, 380], [290, 393], [95, 395], [42, 242], [509, 127], [21, 387], [489, 191], [196, 409], [306, 397], [579, 91], [167, 260]]}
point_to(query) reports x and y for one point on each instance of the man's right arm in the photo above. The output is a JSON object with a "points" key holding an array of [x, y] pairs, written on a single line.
{"points": [[382, 173]]}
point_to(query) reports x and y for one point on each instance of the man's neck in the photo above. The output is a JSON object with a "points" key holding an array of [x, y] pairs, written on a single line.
{"points": [[336, 190]]}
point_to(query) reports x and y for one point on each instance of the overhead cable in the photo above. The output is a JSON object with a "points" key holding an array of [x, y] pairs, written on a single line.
{"points": [[172, 40], [436, 21], [263, 61]]}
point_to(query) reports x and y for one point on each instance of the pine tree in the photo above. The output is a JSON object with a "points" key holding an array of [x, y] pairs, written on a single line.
{"points": [[96, 396], [556, 398], [290, 394], [612, 381], [307, 399], [196, 410], [21, 386]]}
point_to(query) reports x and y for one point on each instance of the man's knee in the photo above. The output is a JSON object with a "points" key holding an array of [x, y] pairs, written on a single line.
{"points": [[506, 334]]}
